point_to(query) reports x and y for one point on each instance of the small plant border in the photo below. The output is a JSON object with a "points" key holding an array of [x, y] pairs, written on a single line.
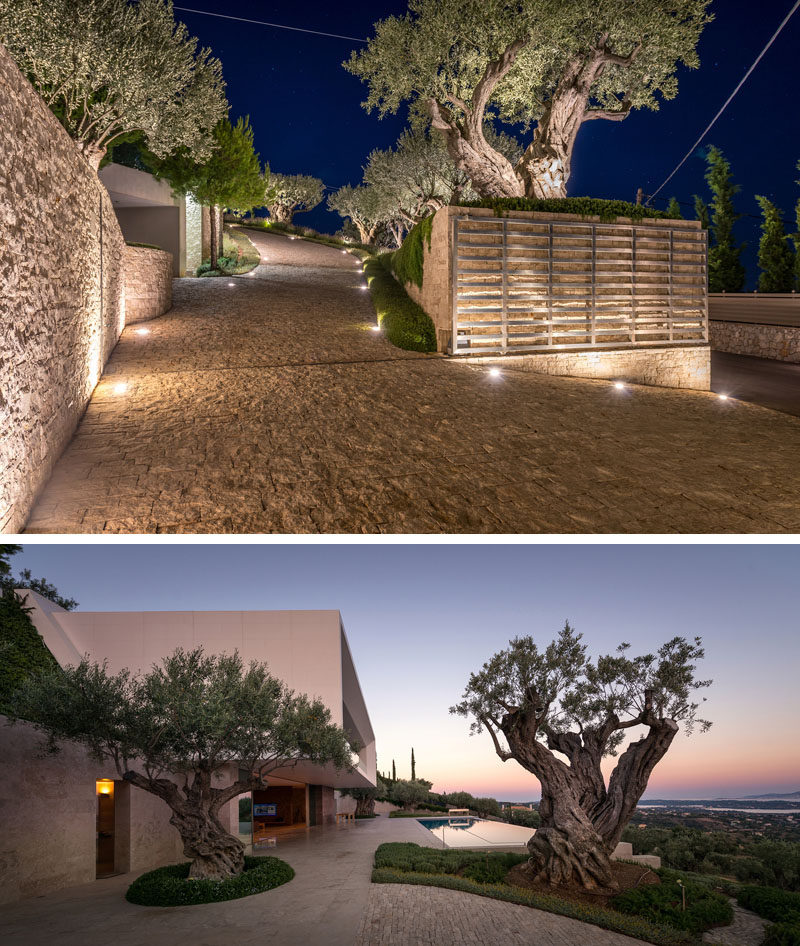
{"points": [[170, 886]]}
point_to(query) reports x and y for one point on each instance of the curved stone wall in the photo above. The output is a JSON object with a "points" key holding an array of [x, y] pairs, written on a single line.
{"points": [[61, 304], [148, 283]]}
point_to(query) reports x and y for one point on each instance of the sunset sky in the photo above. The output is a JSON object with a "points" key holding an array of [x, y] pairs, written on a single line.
{"points": [[420, 618]]}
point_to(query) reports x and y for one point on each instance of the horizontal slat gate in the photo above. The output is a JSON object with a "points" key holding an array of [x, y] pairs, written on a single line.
{"points": [[527, 285]]}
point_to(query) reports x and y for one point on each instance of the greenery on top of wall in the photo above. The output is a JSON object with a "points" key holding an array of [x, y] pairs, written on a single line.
{"points": [[407, 262], [22, 651], [606, 210]]}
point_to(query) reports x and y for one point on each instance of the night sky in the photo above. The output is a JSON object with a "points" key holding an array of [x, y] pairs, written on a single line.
{"points": [[307, 115]]}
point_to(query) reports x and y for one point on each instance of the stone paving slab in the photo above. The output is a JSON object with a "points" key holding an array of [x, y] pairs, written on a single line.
{"points": [[268, 406], [405, 915]]}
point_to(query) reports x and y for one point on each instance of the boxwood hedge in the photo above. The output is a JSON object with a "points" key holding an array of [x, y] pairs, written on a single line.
{"points": [[606, 210], [404, 323], [780, 906], [170, 886]]}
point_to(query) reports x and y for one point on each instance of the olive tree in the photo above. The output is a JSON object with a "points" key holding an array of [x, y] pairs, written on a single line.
{"points": [[558, 714], [410, 793], [367, 207], [110, 67], [288, 194], [181, 730], [546, 62]]}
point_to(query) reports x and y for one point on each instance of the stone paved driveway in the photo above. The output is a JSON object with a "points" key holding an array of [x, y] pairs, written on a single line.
{"points": [[404, 915], [264, 403]]}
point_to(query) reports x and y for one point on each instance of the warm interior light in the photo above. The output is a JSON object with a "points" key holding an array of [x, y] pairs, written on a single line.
{"points": [[142, 331], [105, 786], [120, 388]]}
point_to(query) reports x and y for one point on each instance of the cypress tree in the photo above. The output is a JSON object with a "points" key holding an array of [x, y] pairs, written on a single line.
{"points": [[796, 241], [394, 772], [674, 209], [775, 257], [701, 212], [726, 272], [413, 767]]}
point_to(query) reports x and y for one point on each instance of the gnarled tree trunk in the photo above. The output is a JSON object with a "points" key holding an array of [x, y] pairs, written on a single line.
{"points": [[281, 214], [215, 853], [365, 806]]}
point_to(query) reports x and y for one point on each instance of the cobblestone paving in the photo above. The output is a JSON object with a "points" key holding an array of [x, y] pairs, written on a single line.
{"points": [[264, 403], [402, 915], [747, 929]]}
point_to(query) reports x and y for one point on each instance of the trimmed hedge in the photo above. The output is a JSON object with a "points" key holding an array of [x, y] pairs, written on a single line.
{"points": [[606, 919], [662, 904], [407, 261], [170, 886], [606, 210], [404, 323], [477, 865], [780, 906]]}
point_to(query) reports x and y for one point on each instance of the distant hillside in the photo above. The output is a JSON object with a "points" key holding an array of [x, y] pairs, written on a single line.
{"points": [[787, 795]]}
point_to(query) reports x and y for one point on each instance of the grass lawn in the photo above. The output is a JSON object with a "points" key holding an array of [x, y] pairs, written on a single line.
{"points": [[644, 907], [234, 243]]}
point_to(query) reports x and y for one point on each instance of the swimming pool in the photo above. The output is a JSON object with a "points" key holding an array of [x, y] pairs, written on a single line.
{"points": [[476, 832]]}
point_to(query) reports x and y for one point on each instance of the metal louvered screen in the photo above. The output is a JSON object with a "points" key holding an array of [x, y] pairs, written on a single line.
{"points": [[522, 285]]}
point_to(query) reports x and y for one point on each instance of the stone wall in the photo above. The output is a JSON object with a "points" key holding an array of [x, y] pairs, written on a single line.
{"points": [[61, 307], [47, 818], [148, 283], [780, 342], [684, 367], [435, 296]]}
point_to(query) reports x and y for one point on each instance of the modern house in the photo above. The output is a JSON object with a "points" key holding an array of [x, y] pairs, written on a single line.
{"points": [[148, 212], [66, 819]]}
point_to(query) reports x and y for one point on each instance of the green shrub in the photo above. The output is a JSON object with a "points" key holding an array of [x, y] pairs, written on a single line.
{"points": [[780, 906], [404, 323], [748, 869], [406, 856], [607, 919], [781, 934], [407, 262], [606, 210], [662, 904], [23, 653], [170, 886]]}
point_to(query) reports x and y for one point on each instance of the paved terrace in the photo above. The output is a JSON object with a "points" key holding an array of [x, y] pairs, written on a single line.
{"points": [[330, 901], [264, 403]]}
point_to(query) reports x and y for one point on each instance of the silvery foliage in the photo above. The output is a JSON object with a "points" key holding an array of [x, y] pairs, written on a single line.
{"points": [[109, 67], [418, 176], [368, 208], [293, 192]]}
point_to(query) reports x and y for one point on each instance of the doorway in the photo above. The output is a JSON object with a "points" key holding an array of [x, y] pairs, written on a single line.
{"points": [[105, 827]]}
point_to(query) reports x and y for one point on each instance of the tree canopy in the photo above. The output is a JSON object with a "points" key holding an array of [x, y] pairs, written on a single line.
{"points": [[180, 730], [368, 208], [457, 62], [110, 67], [229, 177], [542, 704], [288, 194]]}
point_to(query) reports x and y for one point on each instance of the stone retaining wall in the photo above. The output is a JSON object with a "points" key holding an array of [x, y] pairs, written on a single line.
{"points": [[781, 342], [61, 307], [685, 367], [148, 283]]}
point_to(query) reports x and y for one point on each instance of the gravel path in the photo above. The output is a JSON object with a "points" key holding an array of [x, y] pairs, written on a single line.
{"points": [[265, 403]]}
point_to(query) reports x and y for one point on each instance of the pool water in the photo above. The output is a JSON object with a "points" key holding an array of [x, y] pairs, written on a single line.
{"points": [[475, 832]]}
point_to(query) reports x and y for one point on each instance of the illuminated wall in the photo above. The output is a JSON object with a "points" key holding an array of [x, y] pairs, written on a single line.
{"points": [[61, 306]]}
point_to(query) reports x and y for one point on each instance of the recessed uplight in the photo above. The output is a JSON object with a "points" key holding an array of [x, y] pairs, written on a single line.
{"points": [[362, 287], [494, 372], [142, 331], [120, 388], [619, 385], [723, 397], [231, 283], [375, 328]]}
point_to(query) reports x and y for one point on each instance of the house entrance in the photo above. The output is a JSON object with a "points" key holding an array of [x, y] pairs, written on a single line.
{"points": [[278, 806], [105, 827]]}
